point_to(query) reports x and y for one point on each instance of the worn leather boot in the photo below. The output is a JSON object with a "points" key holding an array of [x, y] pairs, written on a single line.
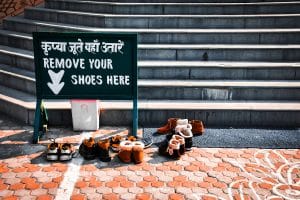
{"points": [[168, 127], [103, 150], [197, 127]]}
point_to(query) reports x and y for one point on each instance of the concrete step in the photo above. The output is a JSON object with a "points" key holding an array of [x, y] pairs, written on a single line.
{"points": [[164, 21], [192, 1], [181, 89], [156, 36], [155, 113], [175, 8], [22, 59], [275, 53], [19, 58], [209, 70], [18, 79]]}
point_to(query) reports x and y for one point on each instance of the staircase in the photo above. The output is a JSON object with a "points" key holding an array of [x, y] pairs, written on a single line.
{"points": [[228, 63]]}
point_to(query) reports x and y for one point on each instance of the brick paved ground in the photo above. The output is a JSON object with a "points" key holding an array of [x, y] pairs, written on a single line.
{"points": [[200, 174], [15, 7]]}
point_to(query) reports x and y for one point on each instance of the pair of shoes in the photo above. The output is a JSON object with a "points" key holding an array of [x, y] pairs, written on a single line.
{"points": [[117, 139], [173, 148], [62, 152], [89, 149], [131, 151], [197, 126]]}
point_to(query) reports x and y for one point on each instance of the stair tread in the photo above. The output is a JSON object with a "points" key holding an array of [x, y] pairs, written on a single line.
{"points": [[28, 102], [146, 63], [158, 16], [25, 74], [152, 30], [177, 4]]}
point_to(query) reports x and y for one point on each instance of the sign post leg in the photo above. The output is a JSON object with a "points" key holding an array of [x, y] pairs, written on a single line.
{"points": [[37, 121], [135, 118]]}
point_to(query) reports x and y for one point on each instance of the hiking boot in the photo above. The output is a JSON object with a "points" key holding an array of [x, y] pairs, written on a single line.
{"points": [[168, 127], [138, 152], [125, 151], [103, 150], [87, 149], [115, 143], [53, 151], [197, 127], [66, 152], [187, 134], [181, 141]]}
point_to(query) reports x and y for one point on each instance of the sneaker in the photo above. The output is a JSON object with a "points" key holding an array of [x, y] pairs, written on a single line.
{"points": [[66, 152], [103, 150], [53, 151], [148, 141], [115, 143], [87, 149]]}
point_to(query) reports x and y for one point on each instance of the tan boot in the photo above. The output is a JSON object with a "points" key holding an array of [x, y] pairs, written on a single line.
{"points": [[181, 141], [125, 151], [173, 149], [197, 127], [138, 152], [168, 127]]}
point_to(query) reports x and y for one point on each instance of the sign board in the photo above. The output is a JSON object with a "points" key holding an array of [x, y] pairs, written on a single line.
{"points": [[86, 66]]}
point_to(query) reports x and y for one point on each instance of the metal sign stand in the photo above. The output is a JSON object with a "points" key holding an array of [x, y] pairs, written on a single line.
{"points": [[55, 46]]}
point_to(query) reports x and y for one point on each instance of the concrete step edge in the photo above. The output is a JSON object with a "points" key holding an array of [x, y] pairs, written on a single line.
{"points": [[45, 10], [29, 76], [157, 104], [176, 4], [152, 30]]}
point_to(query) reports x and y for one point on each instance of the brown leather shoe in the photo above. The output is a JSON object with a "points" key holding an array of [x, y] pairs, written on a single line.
{"points": [[168, 127], [197, 127]]}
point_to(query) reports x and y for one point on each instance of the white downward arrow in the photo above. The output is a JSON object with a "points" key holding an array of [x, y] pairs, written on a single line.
{"points": [[56, 86]]}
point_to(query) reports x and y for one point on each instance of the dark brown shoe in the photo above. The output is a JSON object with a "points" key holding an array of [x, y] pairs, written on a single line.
{"points": [[168, 127], [197, 127]]}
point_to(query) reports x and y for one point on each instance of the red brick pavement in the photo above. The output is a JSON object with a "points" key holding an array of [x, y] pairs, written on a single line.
{"points": [[203, 173]]}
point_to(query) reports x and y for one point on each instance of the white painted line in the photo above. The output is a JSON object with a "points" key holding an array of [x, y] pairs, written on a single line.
{"points": [[66, 187]]}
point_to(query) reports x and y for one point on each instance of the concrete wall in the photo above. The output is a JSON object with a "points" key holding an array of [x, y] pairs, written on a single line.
{"points": [[15, 7]]}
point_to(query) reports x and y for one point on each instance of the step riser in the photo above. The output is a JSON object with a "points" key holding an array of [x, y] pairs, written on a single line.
{"points": [[157, 118], [211, 73], [17, 61], [220, 54], [267, 73], [176, 38], [170, 22], [17, 83], [174, 9], [183, 93]]}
